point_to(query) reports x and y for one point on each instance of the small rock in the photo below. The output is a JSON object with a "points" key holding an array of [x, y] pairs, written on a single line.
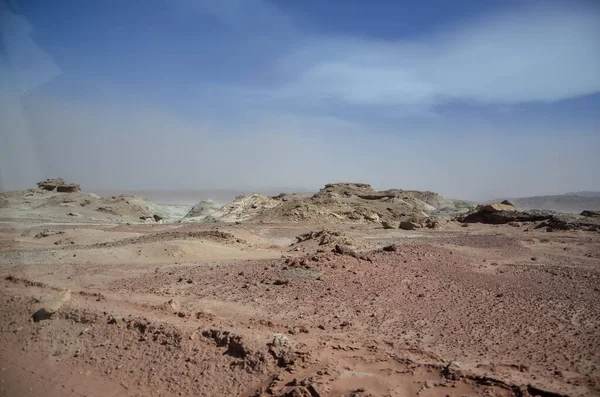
{"points": [[343, 250], [175, 305], [281, 282], [372, 217], [280, 340]]}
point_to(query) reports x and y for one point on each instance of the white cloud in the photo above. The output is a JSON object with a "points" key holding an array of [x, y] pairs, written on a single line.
{"points": [[531, 54]]}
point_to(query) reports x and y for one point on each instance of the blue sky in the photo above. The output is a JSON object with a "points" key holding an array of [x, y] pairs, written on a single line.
{"points": [[471, 99]]}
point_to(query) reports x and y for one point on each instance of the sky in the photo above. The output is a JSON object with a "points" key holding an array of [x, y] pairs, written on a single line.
{"points": [[470, 99]]}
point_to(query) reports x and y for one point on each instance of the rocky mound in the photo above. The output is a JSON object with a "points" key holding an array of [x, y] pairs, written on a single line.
{"points": [[202, 210], [244, 208], [57, 201], [358, 203], [335, 203], [322, 239], [507, 214]]}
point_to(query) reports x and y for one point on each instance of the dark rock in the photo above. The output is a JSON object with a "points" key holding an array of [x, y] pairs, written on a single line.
{"points": [[391, 248], [506, 202], [343, 250], [409, 225], [591, 214]]}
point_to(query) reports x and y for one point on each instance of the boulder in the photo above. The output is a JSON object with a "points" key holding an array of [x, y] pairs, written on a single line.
{"points": [[51, 306], [343, 250], [409, 225], [390, 225]]}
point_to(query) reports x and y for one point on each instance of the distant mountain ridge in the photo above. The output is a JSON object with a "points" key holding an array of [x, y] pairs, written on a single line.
{"points": [[585, 193], [569, 202]]}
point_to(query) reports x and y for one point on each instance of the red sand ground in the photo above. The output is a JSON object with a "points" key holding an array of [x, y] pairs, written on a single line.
{"points": [[483, 310]]}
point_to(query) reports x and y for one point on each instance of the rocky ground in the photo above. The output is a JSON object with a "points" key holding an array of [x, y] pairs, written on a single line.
{"points": [[298, 309]]}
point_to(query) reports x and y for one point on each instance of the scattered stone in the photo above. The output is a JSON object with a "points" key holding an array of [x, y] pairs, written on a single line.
{"points": [[430, 384], [157, 217], [281, 282], [354, 374], [432, 224], [46, 233]]}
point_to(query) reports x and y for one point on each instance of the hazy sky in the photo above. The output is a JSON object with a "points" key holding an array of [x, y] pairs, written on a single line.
{"points": [[472, 99]]}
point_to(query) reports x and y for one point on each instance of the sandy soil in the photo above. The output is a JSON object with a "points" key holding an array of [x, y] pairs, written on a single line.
{"points": [[249, 310]]}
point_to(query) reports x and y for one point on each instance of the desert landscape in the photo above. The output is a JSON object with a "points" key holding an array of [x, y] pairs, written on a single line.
{"points": [[345, 292]]}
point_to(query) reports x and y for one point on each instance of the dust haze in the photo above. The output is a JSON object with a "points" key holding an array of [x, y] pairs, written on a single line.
{"points": [[128, 147]]}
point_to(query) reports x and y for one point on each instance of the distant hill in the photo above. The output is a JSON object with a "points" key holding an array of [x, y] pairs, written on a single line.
{"points": [[570, 202], [584, 194]]}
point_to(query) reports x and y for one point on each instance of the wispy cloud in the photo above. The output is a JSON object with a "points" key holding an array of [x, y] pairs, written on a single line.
{"points": [[533, 54]]}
